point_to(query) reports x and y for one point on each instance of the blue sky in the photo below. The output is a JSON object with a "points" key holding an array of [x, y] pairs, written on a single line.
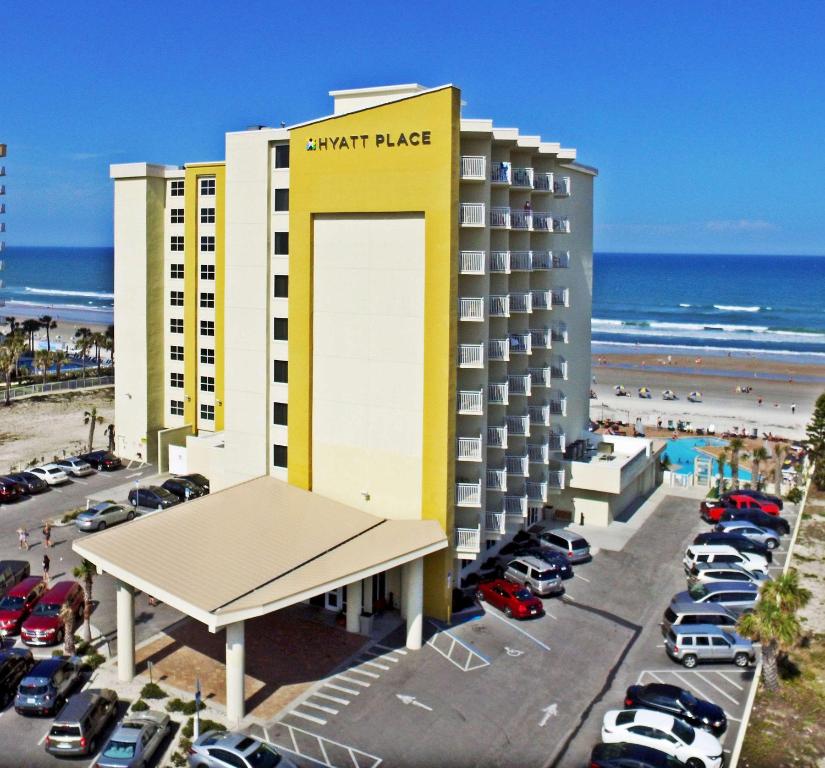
{"points": [[705, 119]]}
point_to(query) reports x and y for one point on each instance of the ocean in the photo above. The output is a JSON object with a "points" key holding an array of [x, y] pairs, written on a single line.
{"points": [[771, 306]]}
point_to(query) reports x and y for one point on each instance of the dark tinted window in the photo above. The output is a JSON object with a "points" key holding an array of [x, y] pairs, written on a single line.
{"points": [[280, 371], [282, 156], [543, 575], [281, 243], [280, 329], [281, 199], [718, 641], [578, 544], [702, 641], [279, 455], [625, 716], [65, 730], [670, 615], [281, 289], [279, 413]]}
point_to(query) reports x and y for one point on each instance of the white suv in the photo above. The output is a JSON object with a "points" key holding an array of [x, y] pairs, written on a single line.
{"points": [[722, 554]]}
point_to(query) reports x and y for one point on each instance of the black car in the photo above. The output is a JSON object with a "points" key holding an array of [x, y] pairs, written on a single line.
{"points": [[12, 572], [102, 460], [30, 482], [152, 497], [198, 480], [739, 543], [556, 561], [760, 518], [630, 756], [677, 702], [9, 490], [15, 664], [758, 495], [182, 488]]}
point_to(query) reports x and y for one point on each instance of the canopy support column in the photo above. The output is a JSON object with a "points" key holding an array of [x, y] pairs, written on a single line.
{"points": [[413, 598], [353, 606], [235, 670], [125, 598]]}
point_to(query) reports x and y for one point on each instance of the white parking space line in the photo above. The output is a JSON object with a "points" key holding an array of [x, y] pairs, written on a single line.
{"points": [[391, 650], [58, 490], [735, 719], [321, 708], [336, 699], [568, 596], [43, 738], [136, 474], [342, 688], [382, 656], [713, 685], [82, 482], [519, 629], [692, 687], [373, 663], [311, 718], [94, 762], [655, 677], [576, 575], [352, 680], [547, 613], [725, 677], [355, 670], [355, 758]]}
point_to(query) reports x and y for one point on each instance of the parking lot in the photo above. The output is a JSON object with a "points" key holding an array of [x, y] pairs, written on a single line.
{"points": [[498, 692]]}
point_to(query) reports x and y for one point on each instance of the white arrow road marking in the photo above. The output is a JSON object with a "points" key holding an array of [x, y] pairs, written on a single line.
{"points": [[407, 699], [551, 711]]}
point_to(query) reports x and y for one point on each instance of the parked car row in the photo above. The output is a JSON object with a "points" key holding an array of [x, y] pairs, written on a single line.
{"points": [[151, 498], [33, 611]]}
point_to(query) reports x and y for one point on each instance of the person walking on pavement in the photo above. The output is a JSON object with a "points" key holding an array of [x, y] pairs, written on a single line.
{"points": [[47, 535], [46, 563], [23, 538]]}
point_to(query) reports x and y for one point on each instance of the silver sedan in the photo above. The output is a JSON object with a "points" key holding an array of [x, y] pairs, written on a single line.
{"points": [[135, 739], [103, 515], [751, 531]]}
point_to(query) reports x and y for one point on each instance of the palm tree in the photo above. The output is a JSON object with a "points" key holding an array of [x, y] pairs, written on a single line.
{"points": [[83, 341], [722, 460], [100, 341], [779, 457], [13, 324], [30, 327], [774, 623], [92, 419], [109, 345], [42, 360], [109, 333], [59, 358], [10, 351], [757, 457], [67, 617], [49, 324], [735, 446], [86, 572]]}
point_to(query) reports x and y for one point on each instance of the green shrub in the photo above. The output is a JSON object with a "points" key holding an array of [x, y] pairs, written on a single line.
{"points": [[152, 691], [140, 706], [184, 707], [93, 660], [69, 516], [81, 646], [178, 759], [188, 730], [714, 493], [57, 652], [184, 744], [794, 495]]}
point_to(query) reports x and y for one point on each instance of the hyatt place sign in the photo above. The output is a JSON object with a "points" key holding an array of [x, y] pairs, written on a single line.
{"points": [[361, 141]]}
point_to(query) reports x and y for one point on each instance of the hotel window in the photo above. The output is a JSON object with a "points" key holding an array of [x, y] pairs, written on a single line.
{"points": [[280, 371], [207, 215], [176, 407], [280, 328], [207, 383], [207, 271], [176, 189], [279, 455], [207, 327], [207, 412], [176, 380], [177, 215], [208, 356], [281, 289], [176, 271], [207, 243], [175, 352], [176, 325], [176, 298], [282, 156], [279, 413], [281, 243], [207, 186], [176, 243], [281, 199], [208, 300]]}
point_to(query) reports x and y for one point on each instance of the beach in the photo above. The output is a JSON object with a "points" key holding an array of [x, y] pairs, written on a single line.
{"points": [[61, 337]]}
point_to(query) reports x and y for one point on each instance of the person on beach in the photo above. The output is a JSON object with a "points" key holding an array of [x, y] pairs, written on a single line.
{"points": [[47, 535], [793, 407], [46, 564]]}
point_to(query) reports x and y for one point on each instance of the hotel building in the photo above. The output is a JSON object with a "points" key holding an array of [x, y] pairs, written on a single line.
{"points": [[388, 306]]}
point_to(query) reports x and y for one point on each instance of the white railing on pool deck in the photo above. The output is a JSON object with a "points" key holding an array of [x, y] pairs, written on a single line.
{"points": [[471, 262], [471, 402], [472, 167], [471, 215], [468, 540], [468, 494]]}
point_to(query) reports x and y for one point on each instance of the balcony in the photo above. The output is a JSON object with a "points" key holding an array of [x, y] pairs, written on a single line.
{"points": [[559, 333], [521, 219], [470, 355], [495, 523], [561, 259], [520, 261], [520, 344], [498, 394], [518, 426], [555, 479], [558, 407], [557, 441], [500, 173], [515, 506], [561, 186], [497, 437], [561, 297], [468, 494], [471, 215], [500, 262], [542, 300], [473, 168], [471, 262], [522, 177], [499, 306], [471, 402], [496, 480], [540, 377], [517, 465], [521, 303], [519, 384], [543, 182], [541, 338], [468, 541], [538, 453], [499, 349], [558, 370], [542, 221], [471, 309], [561, 225], [499, 218], [541, 260], [537, 492], [539, 415], [468, 449]]}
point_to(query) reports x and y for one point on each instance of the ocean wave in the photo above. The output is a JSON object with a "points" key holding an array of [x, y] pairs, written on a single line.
{"points": [[735, 308], [632, 325], [85, 307], [685, 305], [56, 292], [707, 349]]}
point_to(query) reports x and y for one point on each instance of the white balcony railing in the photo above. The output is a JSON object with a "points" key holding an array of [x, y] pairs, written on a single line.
{"points": [[559, 406], [561, 297], [471, 402], [540, 377], [541, 260], [471, 355], [500, 218], [537, 491], [520, 344], [558, 370], [496, 480], [518, 426], [471, 309], [500, 173], [515, 506], [561, 259], [499, 349], [520, 261], [522, 177], [561, 225], [468, 449], [555, 479], [496, 437], [498, 394], [561, 186], [468, 494], [473, 167], [556, 441], [540, 415], [543, 182], [519, 384], [517, 465], [542, 300], [495, 523], [471, 262], [559, 333], [499, 306], [538, 453], [468, 541], [500, 262], [521, 302], [542, 221], [471, 215], [540, 338], [521, 219]]}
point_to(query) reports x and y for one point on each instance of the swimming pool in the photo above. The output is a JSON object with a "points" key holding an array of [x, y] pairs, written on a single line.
{"points": [[682, 451]]}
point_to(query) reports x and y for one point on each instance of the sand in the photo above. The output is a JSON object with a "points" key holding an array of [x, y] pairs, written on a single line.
{"points": [[61, 337]]}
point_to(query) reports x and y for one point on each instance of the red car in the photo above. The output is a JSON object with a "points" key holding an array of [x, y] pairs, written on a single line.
{"points": [[513, 599], [18, 603], [44, 626], [711, 510]]}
